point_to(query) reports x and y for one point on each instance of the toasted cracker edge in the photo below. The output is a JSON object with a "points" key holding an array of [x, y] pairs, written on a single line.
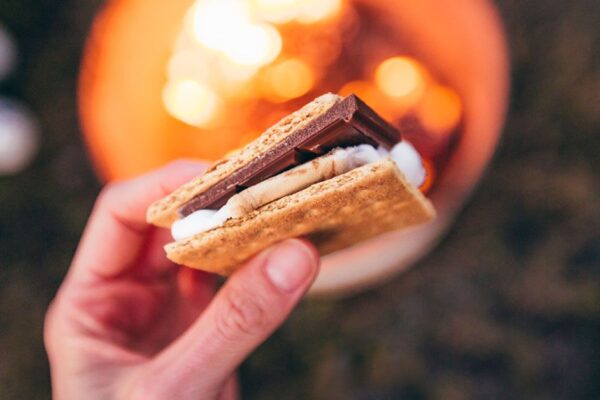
{"points": [[368, 201]]}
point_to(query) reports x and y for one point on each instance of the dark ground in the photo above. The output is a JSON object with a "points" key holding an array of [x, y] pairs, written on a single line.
{"points": [[507, 307]]}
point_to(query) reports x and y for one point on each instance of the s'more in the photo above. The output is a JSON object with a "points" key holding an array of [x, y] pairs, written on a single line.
{"points": [[333, 172]]}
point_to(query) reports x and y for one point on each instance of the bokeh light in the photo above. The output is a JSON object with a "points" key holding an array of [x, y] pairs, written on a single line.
{"points": [[239, 54], [276, 11], [400, 77], [303, 11], [19, 137], [440, 110], [185, 63], [234, 50], [216, 23], [227, 26], [317, 10], [255, 45], [190, 101], [371, 95], [287, 80]]}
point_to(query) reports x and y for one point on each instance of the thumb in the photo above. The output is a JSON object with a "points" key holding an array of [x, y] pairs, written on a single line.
{"points": [[248, 308]]}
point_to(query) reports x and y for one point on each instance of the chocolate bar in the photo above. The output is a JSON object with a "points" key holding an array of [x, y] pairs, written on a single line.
{"points": [[348, 123]]}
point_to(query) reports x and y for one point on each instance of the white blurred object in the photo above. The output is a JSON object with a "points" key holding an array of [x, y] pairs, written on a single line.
{"points": [[19, 136], [409, 161], [8, 53]]}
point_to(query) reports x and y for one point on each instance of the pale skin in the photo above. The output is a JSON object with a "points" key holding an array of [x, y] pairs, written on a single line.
{"points": [[128, 324]]}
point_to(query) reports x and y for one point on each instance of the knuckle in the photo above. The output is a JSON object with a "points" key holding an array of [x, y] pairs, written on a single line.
{"points": [[49, 326], [244, 315], [183, 163], [108, 193], [179, 163], [145, 389]]}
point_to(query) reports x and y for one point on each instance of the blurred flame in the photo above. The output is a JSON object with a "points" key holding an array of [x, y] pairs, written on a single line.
{"points": [[363, 89], [225, 43], [233, 50], [256, 45], [245, 139], [287, 80], [430, 176], [371, 95], [186, 64], [441, 110], [190, 101], [276, 11], [215, 23], [227, 26], [401, 78], [303, 11], [316, 10]]}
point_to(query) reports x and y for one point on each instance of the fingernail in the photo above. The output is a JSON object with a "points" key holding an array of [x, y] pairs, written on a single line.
{"points": [[289, 265]]}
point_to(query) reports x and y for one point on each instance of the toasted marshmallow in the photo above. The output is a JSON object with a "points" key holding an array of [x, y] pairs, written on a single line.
{"points": [[409, 161], [337, 162], [199, 221]]}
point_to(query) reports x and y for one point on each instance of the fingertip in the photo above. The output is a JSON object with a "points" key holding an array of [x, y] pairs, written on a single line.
{"points": [[246, 310], [292, 265], [309, 247]]}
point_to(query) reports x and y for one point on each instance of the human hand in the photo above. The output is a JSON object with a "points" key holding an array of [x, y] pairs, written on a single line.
{"points": [[128, 324]]}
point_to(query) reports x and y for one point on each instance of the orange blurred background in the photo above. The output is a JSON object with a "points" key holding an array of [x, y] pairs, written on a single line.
{"points": [[505, 307], [212, 74]]}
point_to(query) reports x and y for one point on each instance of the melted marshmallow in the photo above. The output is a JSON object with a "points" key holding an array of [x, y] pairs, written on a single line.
{"points": [[405, 156]]}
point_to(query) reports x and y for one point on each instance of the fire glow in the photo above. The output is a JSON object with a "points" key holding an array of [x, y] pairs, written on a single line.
{"points": [[236, 54], [225, 44]]}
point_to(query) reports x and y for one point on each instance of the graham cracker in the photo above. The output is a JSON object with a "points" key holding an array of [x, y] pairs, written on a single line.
{"points": [[334, 214], [165, 211]]}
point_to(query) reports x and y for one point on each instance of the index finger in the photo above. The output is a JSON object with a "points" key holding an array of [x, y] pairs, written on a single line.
{"points": [[117, 231]]}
